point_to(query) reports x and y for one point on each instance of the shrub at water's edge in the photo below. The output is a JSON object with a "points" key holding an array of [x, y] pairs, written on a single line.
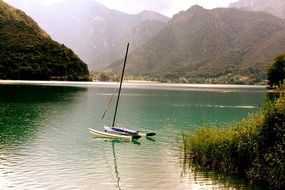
{"points": [[253, 147], [276, 71]]}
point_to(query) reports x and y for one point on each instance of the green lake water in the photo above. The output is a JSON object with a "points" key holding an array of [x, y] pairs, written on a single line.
{"points": [[45, 142]]}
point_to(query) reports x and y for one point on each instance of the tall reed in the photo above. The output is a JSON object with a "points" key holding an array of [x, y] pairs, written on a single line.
{"points": [[253, 147]]}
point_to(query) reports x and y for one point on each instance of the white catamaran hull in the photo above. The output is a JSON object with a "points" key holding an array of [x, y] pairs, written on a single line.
{"points": [[101, 134]]}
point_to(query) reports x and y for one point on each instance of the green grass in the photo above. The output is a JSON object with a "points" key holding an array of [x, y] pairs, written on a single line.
{"points": [[253, 147]]}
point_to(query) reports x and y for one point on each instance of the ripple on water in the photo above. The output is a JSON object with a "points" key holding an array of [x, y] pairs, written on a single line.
{"points": [[47, 144]]}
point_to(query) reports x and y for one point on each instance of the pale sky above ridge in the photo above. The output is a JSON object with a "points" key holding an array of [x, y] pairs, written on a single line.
{"points": [[166, 7]]}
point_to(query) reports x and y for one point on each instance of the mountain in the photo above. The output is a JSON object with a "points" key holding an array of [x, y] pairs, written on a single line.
{"points": [[27, 52], [275, 7], [220, 45], [97, 34]]}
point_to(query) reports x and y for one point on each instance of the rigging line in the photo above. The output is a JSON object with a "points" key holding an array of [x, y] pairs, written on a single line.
{"points": [[110, 101]]}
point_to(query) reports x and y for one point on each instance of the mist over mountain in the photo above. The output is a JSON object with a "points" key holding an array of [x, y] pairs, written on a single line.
{"points": [[275, 7], [28, 52], [223, 45], [220, 45], [97, 34]]}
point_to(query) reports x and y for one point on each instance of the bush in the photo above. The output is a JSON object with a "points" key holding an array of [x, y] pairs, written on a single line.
{"points": [[276, 71]]}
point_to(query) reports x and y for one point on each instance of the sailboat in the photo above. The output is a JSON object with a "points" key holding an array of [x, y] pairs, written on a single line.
{"points": [[110, 132], [120, 132]]}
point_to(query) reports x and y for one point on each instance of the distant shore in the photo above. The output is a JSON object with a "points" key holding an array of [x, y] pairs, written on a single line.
{"points": [[132, 84]]}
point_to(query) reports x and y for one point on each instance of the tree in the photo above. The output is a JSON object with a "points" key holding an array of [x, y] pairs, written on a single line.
{"points": [[103, 77], [276, 71]]}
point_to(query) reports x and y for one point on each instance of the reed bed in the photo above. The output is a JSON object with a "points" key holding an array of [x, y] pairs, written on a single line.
{"points": [[253, 147]]}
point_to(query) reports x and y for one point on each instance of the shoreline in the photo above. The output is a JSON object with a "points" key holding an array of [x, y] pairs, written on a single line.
{"points": [[131, 84]]}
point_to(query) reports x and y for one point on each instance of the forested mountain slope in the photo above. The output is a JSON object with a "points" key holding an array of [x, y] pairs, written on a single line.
{"points": [[27, 52], [220, 45], [94, 32]]}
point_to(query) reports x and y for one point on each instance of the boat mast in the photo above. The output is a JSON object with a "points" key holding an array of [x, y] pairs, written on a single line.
{"points": [[119, 93]]}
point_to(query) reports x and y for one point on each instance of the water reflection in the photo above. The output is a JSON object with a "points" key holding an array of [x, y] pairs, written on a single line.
{"points": [[21, 108], [116, 166], [23, 120], [203, 178], [34, 94], [150, 138], [116, 159], [49, 137]]}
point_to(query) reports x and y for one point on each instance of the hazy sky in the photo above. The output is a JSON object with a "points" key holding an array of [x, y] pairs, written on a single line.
{"points": [[166, 7]]}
